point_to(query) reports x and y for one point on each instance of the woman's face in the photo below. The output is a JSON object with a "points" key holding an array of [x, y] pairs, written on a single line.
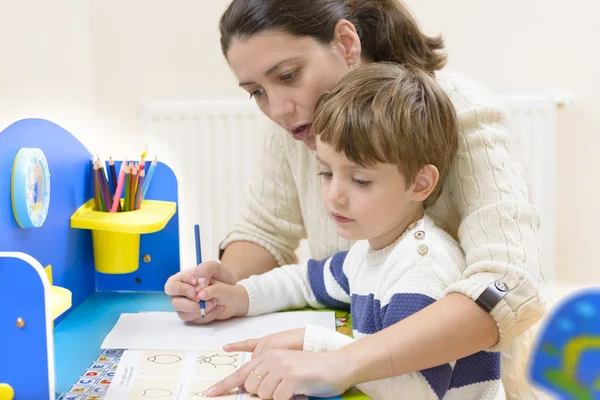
{"points": [[286, 74]]}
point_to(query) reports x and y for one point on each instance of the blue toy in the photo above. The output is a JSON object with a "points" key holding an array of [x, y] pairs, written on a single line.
{"points": [[566, 358]]}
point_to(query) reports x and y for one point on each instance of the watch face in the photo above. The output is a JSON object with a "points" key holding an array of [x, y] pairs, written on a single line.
{"points": [[566, 358]]}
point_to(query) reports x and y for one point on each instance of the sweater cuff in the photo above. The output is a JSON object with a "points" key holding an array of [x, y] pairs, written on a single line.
{"points": [[320, 340], [508, 326], [254, 305]]}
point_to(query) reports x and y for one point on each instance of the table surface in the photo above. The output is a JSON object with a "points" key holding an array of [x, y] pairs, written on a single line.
{"points": [[77, 339]]}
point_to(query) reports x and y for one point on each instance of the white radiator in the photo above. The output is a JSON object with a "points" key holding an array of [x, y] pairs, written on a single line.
{"points": [[212, 147], [531, 120]]}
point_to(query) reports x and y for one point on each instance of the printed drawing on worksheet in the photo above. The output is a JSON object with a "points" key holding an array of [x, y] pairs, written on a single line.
{"points": [[167, 389], [173, 374]]}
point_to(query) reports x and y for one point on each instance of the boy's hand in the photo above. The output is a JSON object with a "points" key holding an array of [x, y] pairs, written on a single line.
{"points": [[183, 287], [286, 340], [232, 301]]}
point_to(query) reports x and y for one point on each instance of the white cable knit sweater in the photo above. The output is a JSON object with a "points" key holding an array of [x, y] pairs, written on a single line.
{"points": [[484, 205], [381, 288]]}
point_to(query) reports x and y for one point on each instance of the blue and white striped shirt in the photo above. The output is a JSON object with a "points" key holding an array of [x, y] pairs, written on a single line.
{"points": [[381, 288]]}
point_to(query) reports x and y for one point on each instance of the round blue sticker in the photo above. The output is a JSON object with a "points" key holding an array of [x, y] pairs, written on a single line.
{"points": [[30, 188]]}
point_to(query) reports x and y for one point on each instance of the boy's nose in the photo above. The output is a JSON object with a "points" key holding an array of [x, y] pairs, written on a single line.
{"points": [[336, 195]]}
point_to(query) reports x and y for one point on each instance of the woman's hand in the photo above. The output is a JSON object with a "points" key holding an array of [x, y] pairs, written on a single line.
{"points": [[282, 374], [286, 340], [184, 288]]}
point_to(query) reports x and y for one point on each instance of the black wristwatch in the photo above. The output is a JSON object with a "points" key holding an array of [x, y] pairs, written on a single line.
{"points": [[488, 299]]}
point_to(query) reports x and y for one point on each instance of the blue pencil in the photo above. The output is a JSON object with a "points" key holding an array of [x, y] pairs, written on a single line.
{"points": [[148, 178], [199, 261]]}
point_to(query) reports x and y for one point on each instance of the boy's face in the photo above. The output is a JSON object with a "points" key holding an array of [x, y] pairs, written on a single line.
{"points": [[374, 203]]}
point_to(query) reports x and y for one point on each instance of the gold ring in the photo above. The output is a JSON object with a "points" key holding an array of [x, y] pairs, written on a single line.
{"points": [[259, 376]]}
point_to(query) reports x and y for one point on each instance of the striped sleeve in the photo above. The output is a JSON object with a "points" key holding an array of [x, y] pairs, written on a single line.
{"points": [[403, 305], [329, 282], [317, 284], [477, 376]]}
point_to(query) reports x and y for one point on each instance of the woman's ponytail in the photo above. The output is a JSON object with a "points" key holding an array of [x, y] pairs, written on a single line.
{"points": [[389, 32]]}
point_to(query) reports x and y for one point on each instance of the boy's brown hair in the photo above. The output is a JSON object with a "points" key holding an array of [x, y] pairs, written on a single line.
{"points": [[386, 113]]}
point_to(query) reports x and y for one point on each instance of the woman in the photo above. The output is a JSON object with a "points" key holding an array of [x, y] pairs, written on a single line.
{"points": [[285, 54]]}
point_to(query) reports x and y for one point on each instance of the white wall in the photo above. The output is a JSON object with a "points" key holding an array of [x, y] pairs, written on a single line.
{"points": [[85, 62], [154, 49], [46, 63]]}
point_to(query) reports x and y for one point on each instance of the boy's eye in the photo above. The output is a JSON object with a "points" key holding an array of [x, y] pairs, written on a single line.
{"points": [[326, 175], [360, 182], [257, 93]]}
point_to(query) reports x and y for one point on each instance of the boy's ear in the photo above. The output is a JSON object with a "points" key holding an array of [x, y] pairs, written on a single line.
{"points": [[425, 182], [347, 41]]}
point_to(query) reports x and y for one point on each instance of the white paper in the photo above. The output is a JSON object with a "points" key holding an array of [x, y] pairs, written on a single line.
{"points": [[173, 374], [164, 330]]}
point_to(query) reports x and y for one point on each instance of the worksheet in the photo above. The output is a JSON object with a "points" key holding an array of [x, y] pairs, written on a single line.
{"points": [[165, 330], [173, 374]]}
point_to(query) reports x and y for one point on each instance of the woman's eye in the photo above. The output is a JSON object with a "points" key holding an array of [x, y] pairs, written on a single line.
{"points": [[257, 93], [289, 76]]}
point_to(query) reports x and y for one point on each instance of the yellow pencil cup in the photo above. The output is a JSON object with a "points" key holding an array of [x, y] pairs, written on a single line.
{"points": [[116, 252], [116, 236]]}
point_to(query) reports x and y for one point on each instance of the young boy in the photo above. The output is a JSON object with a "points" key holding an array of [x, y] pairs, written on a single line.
{"points": [[386, 137]]}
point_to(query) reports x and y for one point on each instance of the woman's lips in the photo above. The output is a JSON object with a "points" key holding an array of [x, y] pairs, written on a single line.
{"points": [[302, 133]]}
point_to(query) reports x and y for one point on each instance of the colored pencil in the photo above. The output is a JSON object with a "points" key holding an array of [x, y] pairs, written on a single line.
{"points": [[133, 183], [104, 190], [198, 262], [127, 188], [109, 195], [96, 188], [116, 205], [113, 176], [143, 158], [149, 177], [138, 193], [100, 191]]}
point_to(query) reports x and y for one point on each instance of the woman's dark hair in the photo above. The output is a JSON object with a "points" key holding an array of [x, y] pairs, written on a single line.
{"points": [[387, 29]]}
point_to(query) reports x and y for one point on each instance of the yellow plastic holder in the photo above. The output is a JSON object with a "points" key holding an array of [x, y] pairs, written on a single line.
{"points": [[116, 236], [60, 298], [60, 301]]}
